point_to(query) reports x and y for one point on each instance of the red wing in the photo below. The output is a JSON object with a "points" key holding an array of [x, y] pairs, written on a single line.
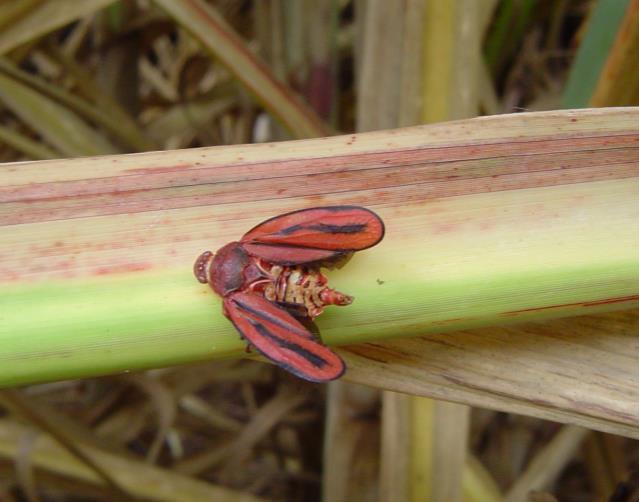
{"points": [[289, 255], [316, 234], [277, 335]]}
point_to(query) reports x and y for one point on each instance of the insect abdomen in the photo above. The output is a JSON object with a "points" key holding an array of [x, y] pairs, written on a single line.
{"points": [[301, 286]]}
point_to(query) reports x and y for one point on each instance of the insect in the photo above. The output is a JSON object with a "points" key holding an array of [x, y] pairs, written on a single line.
{"points": [[272, 287]]}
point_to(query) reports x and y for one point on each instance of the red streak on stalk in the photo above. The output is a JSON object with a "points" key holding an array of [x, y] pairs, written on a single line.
{"points": [[593, 303], [122, 269]]}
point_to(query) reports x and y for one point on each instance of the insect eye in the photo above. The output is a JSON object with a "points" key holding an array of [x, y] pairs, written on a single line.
{"points": [[201, 266]]}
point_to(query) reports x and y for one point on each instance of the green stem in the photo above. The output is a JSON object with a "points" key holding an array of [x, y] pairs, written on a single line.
{"points": [[489, 221]]}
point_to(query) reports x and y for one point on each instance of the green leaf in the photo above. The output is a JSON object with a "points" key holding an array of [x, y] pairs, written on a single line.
{"points": [[43, 18], [593, 51], [56, 124]]}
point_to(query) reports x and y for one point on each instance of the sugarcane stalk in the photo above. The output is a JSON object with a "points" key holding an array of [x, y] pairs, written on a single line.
{"points": [[489, 221]]}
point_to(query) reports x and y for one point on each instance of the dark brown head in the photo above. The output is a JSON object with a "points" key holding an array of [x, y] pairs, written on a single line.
{"points": [[224, 269]]}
